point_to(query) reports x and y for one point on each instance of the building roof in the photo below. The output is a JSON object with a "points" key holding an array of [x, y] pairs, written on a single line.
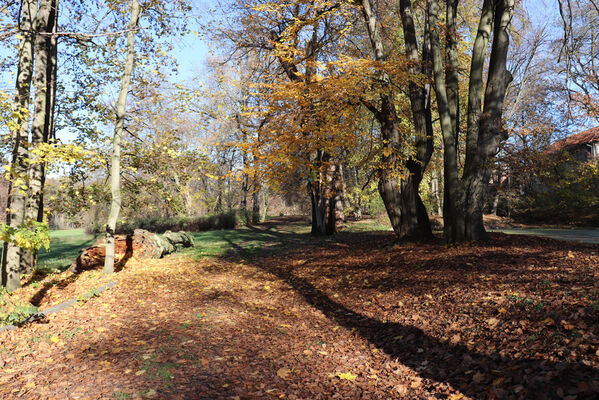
{"points": [[588, 136]]}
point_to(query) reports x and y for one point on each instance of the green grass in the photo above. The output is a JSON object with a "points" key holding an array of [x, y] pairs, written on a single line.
{"points": [[217, 243], [64, 248]]}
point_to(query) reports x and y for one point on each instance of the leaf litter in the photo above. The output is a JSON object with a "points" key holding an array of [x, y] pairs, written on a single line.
{"points": [[358, 317]]}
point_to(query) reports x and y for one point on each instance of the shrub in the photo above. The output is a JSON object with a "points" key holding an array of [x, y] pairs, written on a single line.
{"points": [[229, 220]]}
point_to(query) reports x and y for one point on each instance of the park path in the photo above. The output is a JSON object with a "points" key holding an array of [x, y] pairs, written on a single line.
{"points": [[590, 235]]}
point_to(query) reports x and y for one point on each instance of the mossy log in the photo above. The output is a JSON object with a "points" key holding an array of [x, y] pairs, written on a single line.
{"points": [[142, 244]]}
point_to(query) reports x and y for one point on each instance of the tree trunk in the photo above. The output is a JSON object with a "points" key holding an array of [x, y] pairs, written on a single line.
{"points": [[490, 124], [339, 193], [452, 202], [256, 203], [43, 115], [318, 204], [115, 169], [389, 187], [11, 256], [464, 198], [415, 224]]}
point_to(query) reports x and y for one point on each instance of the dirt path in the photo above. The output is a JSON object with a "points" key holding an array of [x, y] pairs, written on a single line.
{"points": [[354, 318]]}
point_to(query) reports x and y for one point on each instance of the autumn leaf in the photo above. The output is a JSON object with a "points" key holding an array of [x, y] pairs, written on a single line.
{"points": [[567, 326], [346, 376], [283, 373]]}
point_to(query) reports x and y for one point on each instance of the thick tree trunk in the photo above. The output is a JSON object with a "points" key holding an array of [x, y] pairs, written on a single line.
{"points": [[389, 187], [452, 198], [43, 115], [464, 198], [11, 256], [142, 244], [415, 224], [115, 169], [490, 124], [318, 204]]}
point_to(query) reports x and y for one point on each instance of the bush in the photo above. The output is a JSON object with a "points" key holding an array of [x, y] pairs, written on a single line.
{"points": [[229, 220]]}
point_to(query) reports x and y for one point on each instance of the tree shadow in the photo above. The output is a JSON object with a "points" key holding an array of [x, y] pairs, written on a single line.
{"points": [[478, 374]]}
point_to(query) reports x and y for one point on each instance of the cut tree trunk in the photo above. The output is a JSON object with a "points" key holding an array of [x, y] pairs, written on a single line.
{"points": [[142, 244]]}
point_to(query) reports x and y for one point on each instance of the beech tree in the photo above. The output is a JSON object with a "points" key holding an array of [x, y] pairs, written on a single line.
{"points": [[464, 196], [407, 213]]}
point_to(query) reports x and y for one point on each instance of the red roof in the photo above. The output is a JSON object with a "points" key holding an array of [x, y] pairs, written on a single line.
{"points": [[588, 136]]}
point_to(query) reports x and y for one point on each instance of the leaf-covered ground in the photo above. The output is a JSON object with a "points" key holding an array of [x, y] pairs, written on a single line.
{"points": [[277, 314]]}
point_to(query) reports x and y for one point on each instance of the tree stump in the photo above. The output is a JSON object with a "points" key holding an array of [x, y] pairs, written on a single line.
{"points": [[142, 244]]}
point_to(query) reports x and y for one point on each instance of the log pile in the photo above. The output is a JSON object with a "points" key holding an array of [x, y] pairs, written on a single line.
{"points": [[142, 244]]}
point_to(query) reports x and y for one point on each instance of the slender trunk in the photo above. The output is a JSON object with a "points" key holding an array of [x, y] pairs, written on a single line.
{"points": [[332, 197], [244, 188], [115, 170], [43, 115], [11, 256], [256, 203], [318, 198], [339, 194], [265, 199]]}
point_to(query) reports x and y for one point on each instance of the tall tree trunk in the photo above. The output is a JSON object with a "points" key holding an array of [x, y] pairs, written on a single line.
{"points": [[491, 130], [452, 202], [415, 224], [11, 256], [115, 168], [389, 187], [43, 115], [464, 198]]}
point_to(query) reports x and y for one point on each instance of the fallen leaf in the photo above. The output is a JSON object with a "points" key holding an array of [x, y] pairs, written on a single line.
{"points": [[283, 373], [346, 376]]}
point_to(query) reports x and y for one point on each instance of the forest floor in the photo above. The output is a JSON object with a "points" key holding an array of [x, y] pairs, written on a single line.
{"points": [[271, 313]]}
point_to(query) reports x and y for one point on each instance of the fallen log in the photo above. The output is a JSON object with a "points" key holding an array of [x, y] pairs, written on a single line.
{"points": [[142, 244]]}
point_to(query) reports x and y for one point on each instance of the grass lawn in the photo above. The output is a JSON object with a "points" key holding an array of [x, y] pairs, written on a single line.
{"points": [[64, 248]]}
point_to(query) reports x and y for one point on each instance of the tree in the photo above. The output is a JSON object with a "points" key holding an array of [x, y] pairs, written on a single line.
{"points": [[11, 256], [579, 55], [43, 116], [407, 213], [464, 197], [115, 169]]}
